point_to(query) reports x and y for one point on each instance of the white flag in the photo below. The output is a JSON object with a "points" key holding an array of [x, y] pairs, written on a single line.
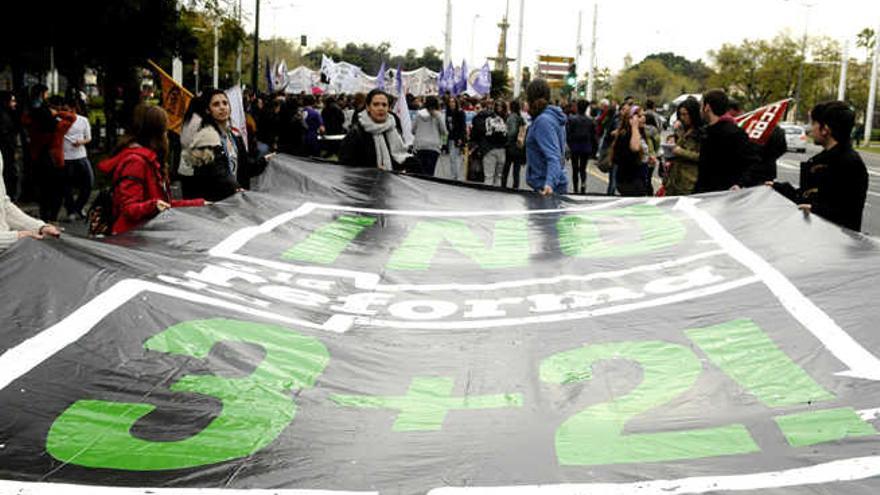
{"points": [[236, 112]]}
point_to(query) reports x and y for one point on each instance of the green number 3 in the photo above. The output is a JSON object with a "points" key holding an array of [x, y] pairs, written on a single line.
{"points": [[595, 435], [256, 409]]}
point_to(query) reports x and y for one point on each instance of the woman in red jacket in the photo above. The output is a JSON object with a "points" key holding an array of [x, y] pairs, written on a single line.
{"points": [[140, 176]]}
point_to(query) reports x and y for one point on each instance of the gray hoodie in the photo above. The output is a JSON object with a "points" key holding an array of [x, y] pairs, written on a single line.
{"points": [[429, 131]]}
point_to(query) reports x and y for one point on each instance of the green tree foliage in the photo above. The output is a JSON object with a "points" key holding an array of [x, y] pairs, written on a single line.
{"points": [[651, 79]]}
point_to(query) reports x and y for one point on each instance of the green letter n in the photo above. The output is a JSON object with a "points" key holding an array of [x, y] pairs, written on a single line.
{"points": [[509, 249], [327, 243]]}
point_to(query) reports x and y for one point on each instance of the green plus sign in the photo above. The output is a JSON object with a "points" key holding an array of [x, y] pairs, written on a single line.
{"points": [[427, 402]]}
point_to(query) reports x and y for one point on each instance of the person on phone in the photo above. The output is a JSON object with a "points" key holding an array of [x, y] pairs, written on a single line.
{"points": [[545, 143], [77, 167], [141, 185]]}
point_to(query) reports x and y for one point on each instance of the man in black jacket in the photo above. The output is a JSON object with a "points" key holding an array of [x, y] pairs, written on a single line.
{"points": [[726, 154], [836, 180]]}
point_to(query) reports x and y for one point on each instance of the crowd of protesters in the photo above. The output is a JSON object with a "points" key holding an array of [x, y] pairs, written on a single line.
{"points": [[495, 142]]}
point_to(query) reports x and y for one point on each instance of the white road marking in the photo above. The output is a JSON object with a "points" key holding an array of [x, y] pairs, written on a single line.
{"points": [[861, 363]]}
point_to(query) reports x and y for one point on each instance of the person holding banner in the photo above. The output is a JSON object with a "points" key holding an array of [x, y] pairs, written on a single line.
{"points": [[216, 157], [141, 184], [16, 225], [834, 183], [374, 140]]}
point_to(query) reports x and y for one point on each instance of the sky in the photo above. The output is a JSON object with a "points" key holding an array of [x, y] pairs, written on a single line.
{"points": [[686, 27]]}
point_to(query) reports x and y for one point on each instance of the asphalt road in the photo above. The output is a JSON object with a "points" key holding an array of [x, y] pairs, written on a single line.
{"points": [[788, 170]]}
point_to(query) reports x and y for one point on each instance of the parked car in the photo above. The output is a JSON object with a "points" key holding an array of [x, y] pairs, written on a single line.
{"points": [[795, 137]]}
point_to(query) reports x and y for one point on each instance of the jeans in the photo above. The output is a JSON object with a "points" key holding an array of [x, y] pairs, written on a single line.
{"points": [[455, 162], [80, 178], [428, 161], [493, 166], [612, 181]]}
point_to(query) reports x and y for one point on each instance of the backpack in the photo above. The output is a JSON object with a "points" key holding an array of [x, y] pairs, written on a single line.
{"points": [[100, 216]]}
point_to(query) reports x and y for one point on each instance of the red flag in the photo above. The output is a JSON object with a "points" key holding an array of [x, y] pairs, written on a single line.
{"points": [[175, 99], [760, 123]]}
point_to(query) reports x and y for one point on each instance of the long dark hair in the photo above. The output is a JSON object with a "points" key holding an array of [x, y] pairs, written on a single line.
{"points": [[207, 119], [693, 110], [149, 128]]}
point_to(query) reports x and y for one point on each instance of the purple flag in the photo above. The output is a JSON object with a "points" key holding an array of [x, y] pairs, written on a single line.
{"points": [[462, 83], [380, 77], [483, 82]]}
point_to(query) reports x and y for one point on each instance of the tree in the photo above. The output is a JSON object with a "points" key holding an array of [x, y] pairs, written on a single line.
{"points": [[652, 79], [867, 39]]}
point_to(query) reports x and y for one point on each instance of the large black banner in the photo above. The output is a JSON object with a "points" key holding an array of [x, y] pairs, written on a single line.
{"points": [[357, 331]]}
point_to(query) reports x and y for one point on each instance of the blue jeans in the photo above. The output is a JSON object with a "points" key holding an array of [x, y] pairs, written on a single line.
{"points": [[455, 162], [81, 179]]}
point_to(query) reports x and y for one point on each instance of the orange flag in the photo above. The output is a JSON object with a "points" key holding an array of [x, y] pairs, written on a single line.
{"points": [[175, 99]]}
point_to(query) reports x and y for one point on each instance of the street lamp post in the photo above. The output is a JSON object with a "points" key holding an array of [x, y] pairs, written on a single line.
{"points": [[872, 94], [255, 69], [216, 56], [517, 80], [473, 36], [797, 96]]}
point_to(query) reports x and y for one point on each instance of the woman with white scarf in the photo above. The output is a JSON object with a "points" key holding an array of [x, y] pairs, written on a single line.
{"points": [[374, 140]]}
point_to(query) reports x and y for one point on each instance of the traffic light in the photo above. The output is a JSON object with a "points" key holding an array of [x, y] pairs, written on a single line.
{"points": [[571, 78]]}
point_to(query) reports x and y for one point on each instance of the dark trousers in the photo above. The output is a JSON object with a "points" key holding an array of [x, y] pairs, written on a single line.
{"points": [[49, 181], [513, 160], [428, 160], [579, 163], [11, 174], [80, 180]]}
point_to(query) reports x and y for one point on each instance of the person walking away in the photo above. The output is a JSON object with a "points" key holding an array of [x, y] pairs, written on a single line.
{"points": [[495, 144], [630, 154], [456, 129], [581, 136], [374, 140], [837, 179], [545, 143], [9, 132], [80, 178], [314, 126], [334, 124], [429, 130], [726, 152], [215, 163], [682, 176], [515, 154], [141, 184]]}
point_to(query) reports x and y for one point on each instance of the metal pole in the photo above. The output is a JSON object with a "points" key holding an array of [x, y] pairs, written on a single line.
{"points": [[473, 36], [216, 56], [238, 53], [517, 78], [872, 95], [578, 46], [255, 70], [447, 50], [800, 83], [591, 79], [844, 63]]}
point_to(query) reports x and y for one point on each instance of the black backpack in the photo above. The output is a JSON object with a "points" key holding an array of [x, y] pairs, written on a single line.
{"points": [[100, 216]]}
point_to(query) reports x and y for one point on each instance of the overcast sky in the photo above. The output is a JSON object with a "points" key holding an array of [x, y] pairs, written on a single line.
{"points": [[686, 27]]}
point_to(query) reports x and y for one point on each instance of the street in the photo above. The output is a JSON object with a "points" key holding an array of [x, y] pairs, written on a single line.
{"points": [[788, 170]]}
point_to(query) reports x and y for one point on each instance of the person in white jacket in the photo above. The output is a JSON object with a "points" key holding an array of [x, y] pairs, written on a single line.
{"points": [[429, 129], [15, 224]]}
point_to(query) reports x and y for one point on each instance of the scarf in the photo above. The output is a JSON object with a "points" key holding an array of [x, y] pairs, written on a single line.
{"points": [[386, 154]]}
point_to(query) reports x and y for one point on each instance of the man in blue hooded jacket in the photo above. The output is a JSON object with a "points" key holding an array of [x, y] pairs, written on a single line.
{"points": [[545, 144]]}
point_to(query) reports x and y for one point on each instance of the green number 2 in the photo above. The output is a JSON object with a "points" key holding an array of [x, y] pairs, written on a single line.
{"points": [[256, 409], [595, 435]]}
